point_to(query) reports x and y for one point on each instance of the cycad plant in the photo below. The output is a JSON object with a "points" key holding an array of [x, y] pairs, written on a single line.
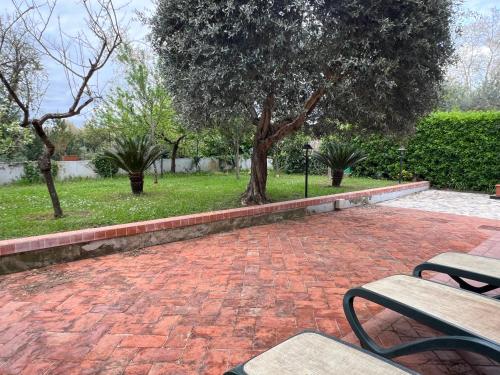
{"points": [[134, 155], [338, 157]]}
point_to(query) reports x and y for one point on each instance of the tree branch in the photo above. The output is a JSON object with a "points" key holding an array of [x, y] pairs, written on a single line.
{"points": [[107, 43], [11, 24], [264, 124], [280, 131], [290, 125], [177, 141], [253, 113], [18, 101], [59, 115]]}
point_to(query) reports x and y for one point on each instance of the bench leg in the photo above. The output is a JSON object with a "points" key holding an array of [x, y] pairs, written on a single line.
{"points": [[417, 272], [455, 342], [476, 289]]}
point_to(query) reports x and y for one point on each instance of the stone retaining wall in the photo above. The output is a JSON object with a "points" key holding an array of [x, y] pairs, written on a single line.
{"points": [[31, 252]]}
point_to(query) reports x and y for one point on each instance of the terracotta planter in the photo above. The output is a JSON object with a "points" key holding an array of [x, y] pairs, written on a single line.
{"points": [[136, 182], [70, 158], [497, 192]]}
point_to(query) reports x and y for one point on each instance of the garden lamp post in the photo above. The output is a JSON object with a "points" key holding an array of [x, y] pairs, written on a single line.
{"points": [[307, 147], [401, 155]]}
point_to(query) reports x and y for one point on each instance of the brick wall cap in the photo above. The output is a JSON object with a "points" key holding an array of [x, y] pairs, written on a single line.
{"points": [[45, 241]]}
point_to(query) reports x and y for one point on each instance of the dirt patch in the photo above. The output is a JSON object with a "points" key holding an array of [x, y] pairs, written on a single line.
{"points": [[138, 252], [435, 220], [47, 278], [50, 215], [489, 227]]}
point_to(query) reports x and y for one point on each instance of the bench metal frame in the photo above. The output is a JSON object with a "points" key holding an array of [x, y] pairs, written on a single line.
{"points": [[457, 274], [455, 337]]}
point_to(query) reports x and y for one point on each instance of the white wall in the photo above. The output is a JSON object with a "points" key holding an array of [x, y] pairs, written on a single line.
{"points": [[10, 172], [184, 165], [247, 163], [71, 169]]}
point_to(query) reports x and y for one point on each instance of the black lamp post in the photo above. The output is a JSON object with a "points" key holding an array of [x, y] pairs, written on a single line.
{"points": [[307, 147], [401, 155]]}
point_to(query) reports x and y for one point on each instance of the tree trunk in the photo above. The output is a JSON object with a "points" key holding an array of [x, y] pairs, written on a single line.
{"points": [[256, 189], [136, 182], [266, 135], [337, 176], [237, 160], [175, 148], [174, 156], [155, 171], [153, 132], [45, 165]]}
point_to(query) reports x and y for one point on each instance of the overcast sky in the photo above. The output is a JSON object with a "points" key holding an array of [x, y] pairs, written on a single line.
{"points": [[70, 14]]}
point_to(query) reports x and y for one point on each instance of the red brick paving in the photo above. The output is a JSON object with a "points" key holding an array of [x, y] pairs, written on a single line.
{"points": [[204, 305]]}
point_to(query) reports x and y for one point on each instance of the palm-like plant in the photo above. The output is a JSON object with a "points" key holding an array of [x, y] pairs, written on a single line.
{"points": [[338, 157], [134, 155]]}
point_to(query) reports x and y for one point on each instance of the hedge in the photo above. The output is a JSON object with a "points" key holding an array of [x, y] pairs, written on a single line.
{"points": [[103, 166], [289, 156], [457, 150], [382, 158]]}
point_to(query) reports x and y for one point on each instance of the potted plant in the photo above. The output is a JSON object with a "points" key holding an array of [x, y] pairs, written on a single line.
{"points": [[134, 155], [338, 157]]}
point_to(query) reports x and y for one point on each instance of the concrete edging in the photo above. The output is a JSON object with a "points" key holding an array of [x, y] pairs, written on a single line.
{"points": [[38, 251]]}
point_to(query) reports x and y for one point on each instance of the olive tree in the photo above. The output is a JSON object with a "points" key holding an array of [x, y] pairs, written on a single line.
{"points": [[283, 64]]}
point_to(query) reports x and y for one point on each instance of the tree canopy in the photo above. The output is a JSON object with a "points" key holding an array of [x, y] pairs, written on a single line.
{"points": [[280, 64], [142, 104], [380, 60]]}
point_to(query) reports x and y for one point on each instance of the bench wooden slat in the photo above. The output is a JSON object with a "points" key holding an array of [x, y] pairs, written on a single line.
{"points": [[467, 262], [314, 354]]}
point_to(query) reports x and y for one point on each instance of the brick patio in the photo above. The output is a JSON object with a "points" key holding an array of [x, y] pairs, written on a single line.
{"points": [[204, 305]]}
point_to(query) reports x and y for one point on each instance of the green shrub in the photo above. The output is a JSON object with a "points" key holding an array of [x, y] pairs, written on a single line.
{"points": [[31, 172], [382, 157], [103, 166], [457, 150], [289, 156]]}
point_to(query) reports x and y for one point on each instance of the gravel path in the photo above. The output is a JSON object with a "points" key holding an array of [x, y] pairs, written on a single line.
{"points": [[470, 204]]}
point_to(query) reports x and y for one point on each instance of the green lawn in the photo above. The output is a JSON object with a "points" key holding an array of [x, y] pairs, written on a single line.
{"points": [[25, 210]]}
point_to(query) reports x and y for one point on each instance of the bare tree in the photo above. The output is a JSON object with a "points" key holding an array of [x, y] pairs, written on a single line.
{"points": [[80, 56], [477, 50]]}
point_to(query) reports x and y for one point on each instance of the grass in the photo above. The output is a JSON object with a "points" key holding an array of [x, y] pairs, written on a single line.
{"points": [[25, 210]]}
